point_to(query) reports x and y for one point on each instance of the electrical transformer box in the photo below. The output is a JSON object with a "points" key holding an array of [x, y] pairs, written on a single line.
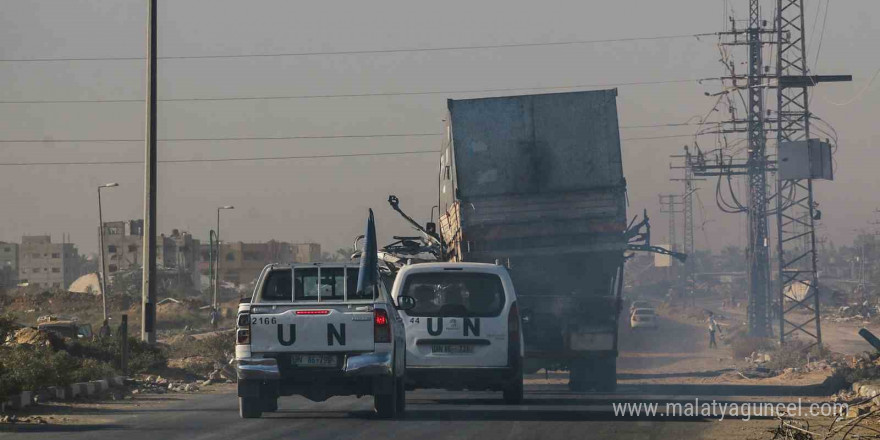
{"points": [[805, 160]]}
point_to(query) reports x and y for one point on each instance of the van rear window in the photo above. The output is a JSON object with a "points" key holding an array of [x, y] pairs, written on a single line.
{"points": [[455, 294]]}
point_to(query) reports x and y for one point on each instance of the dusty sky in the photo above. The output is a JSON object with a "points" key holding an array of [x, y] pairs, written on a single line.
{"points": [[325, 200]]}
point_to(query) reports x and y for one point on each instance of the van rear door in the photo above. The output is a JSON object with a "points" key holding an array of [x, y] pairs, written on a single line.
{"points": [[459, 320]]}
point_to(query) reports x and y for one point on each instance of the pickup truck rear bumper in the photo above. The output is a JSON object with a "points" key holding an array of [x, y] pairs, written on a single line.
{"points": [[355, 365], [257, 369]]}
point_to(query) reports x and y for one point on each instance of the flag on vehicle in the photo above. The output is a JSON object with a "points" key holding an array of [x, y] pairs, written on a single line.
{"points": [[368, 275]]}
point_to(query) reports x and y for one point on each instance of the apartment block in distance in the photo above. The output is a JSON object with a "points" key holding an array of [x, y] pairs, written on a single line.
{"points": [[241, 263], [45, 264], [177, 255], [8, 264]]}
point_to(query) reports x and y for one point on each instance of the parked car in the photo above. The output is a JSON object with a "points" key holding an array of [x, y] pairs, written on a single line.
{"points": [[639, 305], [306, 331], [464, 331], [643, 318], [65, 327]]}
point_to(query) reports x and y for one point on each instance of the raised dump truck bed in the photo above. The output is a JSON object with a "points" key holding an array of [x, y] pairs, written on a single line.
{"points": [[536, 182]]}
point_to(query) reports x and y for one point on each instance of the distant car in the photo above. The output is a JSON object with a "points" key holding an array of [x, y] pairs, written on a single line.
{"points": [[643, 318], [639, 305]]}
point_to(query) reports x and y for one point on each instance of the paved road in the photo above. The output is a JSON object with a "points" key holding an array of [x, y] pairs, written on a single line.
{"points": [[550, 412], [654, 367]]}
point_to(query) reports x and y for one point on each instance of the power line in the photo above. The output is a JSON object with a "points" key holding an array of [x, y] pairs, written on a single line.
{"points": [[362, 95], [692, 135], [260, 138], [230, 159], [369, 51], [265, 138]]}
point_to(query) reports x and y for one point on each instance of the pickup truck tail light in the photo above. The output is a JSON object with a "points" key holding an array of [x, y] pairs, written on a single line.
{"points": [[243, 333], [381, 326]]}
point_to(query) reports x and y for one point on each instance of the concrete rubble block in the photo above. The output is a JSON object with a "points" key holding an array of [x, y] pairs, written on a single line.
{"points": [[91, 388], [118, 381], [856, 411], [23, 399], [103, 384], [45, 395], [868, 389]]}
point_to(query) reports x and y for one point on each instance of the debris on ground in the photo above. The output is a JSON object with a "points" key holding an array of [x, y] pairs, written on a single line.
{"points": [[27, 420], [33, 336]]}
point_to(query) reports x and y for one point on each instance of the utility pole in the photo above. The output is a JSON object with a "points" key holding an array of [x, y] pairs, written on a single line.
{"points": [[217, 273], [754, 168], [690, 189], [101, 245], [796, 209], [672, 204], [758, 252], [148, 288]]}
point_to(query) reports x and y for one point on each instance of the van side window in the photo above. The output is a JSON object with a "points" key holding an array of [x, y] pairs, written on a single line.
{"points": [[277, 286]]}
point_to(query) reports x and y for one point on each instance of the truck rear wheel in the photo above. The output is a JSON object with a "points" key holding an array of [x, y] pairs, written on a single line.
{"points": [[250, 407]]}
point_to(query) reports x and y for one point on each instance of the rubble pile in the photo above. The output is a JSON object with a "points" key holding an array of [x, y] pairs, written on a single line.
{"points": [[855, 312], [13, 419], [161, 385], [33, 336], [150, 384]]}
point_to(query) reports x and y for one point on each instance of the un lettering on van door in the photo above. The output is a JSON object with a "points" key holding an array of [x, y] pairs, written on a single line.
{"points": [[333, 334], [470, 326]]}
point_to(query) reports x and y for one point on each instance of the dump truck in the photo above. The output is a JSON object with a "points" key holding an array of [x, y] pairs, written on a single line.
{"points": [[535, 182]]}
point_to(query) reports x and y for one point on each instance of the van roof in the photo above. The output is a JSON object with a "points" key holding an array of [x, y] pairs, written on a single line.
{"points": [[468, 267]]}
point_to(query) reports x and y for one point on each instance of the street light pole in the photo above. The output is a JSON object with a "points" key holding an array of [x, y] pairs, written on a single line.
{"points": [[217, 272], [101, 245], [148, 282]]}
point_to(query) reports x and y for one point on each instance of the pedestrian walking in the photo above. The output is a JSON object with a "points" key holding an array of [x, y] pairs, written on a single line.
{"points": [[713, 327], [104, 331]]}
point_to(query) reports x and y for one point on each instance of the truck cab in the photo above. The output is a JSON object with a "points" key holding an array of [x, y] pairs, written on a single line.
{"points": [[307, 331]]}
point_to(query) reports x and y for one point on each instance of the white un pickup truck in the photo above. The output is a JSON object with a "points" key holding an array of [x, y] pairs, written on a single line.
{"points": [[306, 331]]}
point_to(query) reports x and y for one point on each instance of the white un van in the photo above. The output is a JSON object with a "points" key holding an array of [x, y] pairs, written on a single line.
{"points": [[464, 331]]}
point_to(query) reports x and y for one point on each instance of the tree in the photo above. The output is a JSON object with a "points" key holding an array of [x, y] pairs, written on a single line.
{"points": [[344, 254]]}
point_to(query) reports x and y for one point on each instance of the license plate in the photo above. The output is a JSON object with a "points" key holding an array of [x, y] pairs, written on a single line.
{"points": [[315, 360], [452, 349]]}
